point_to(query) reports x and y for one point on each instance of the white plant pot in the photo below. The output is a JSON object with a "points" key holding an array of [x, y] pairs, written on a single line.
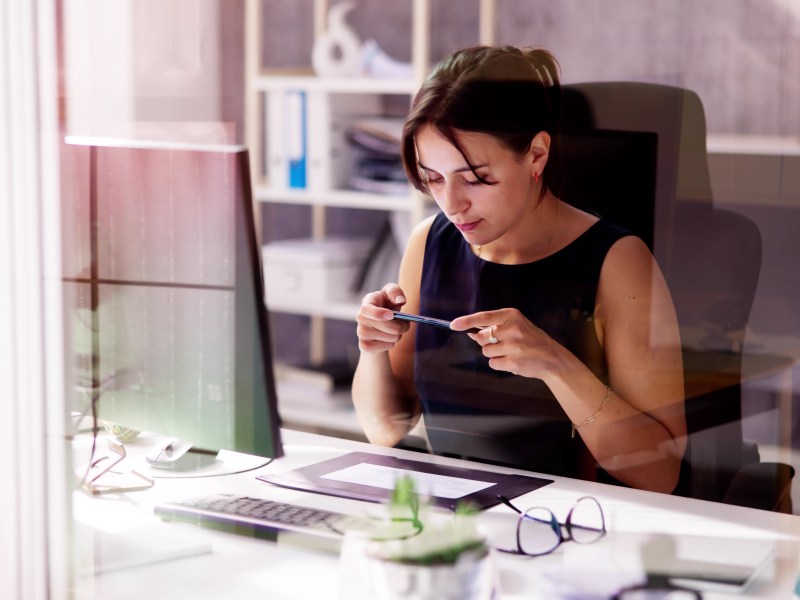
{"points": [[472, 577]]}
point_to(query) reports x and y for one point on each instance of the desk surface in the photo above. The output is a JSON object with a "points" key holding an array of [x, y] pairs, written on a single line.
{"points": [[230, 566]]}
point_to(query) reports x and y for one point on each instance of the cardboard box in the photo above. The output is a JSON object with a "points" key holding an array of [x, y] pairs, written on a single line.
{"points": [[305, 272]]}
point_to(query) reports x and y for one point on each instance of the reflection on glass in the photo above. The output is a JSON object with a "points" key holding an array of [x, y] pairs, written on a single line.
{"points": [[163, 297]]}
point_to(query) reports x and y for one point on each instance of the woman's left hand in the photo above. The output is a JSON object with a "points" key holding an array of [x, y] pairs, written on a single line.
{"points": [[511, 342]]}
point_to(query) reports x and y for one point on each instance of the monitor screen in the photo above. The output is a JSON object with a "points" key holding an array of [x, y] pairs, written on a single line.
{"points": [[167, 329]]}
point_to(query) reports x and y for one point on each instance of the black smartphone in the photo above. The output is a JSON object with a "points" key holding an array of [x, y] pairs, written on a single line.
{"points": [[428, 321]]}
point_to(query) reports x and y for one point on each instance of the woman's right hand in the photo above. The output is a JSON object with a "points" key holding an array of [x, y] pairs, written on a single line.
{"points": [[377, 329]]}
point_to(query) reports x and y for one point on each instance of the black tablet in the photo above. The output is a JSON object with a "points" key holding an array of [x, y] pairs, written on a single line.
{"points": [[371, 477]]}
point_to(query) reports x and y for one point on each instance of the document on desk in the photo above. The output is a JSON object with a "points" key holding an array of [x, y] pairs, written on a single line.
{"points": [[704, 563], [428, 484], [371, 477], [102, 552], [723, 564]]}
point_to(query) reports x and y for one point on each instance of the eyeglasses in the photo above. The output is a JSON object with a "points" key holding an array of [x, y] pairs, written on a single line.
{"points": [[539, 532]]}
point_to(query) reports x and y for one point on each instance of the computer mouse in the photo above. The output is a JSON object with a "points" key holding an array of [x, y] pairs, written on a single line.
{"points": [[167, 451]]}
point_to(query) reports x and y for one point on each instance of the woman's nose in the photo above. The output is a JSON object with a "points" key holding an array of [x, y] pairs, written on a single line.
{"points": [[454, 200]]}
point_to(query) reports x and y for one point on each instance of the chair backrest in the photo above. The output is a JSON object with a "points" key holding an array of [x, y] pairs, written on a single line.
{"points": [[676, 117], [659, 188]]}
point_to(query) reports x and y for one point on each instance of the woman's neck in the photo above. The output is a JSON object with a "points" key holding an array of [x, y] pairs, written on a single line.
{"points": [[532, 238]]}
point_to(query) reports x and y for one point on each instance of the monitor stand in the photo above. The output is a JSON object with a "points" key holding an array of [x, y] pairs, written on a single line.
{"points": [[118, 467], [175, 458]]}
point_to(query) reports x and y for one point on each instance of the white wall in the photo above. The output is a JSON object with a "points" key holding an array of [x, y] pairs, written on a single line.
{"points": [[35, 501], [129, 62]]}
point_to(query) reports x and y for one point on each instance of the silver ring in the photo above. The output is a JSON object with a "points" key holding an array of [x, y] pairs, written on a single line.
{"points": [[492, 339]]}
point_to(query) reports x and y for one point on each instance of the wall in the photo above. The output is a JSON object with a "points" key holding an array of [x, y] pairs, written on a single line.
{"points": [[152, 62], [735, 54]]}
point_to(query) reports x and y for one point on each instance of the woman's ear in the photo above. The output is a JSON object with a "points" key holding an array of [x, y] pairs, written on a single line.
{"points": [[538, 153]]}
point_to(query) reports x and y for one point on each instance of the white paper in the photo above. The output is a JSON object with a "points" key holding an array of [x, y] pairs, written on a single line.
{"points": [[428, 484]]}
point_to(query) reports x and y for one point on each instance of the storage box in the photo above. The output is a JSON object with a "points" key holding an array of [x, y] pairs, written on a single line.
{"points": [[303, 272]]}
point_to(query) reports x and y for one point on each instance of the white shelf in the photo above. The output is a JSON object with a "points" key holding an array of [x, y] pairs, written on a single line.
{"points": [[748, 201], [307, 408], [344, 311], [770, 145], [329, 106], [334, 85], [335, 198], [304, 408]]}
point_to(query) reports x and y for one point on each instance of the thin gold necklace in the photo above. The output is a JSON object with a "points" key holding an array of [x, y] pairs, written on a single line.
{"points": [[479, 247]]}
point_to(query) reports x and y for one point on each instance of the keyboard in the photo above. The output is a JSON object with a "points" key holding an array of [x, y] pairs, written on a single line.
{"points": [[265, 514]]}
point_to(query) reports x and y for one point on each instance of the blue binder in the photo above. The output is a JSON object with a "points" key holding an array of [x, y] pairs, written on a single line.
{"points": [[296, 139]]}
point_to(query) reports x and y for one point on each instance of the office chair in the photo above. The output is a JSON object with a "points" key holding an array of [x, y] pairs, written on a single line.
{"points": [[635, 153]]}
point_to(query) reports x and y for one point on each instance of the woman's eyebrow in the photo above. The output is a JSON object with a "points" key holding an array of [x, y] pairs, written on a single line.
{"points": [[459, 170]]}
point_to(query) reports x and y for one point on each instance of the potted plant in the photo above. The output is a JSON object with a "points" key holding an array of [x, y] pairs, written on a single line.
{"points": [[425, 554]]}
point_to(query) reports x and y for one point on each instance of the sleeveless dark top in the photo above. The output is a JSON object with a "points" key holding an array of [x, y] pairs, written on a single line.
{"points": [[475, 412]]}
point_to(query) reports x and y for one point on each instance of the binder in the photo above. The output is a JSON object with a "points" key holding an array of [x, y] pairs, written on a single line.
{"points": [[296, 143]]}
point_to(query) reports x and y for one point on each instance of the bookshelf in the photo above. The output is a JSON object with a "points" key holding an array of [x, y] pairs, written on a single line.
{"points": [[331, 105]]}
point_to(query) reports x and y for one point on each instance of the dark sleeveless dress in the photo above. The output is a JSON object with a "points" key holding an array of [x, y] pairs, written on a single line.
{"points": [[474, 412]]}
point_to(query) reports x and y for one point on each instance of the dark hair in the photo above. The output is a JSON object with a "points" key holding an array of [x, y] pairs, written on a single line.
{"points": [[507, 92]]}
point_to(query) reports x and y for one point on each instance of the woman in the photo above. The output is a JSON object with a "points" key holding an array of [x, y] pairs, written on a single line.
{"points": [[575, 366]]}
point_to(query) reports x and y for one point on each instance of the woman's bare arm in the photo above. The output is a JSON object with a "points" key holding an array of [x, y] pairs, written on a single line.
{"points": [[640, 435], [642, 344], [384, 396]]}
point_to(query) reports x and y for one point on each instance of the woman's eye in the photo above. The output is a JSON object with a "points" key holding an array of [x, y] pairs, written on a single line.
{"points": [[434, 180], [474, 182]]}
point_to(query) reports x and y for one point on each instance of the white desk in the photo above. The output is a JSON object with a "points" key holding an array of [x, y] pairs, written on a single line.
{"points": [[241, 567]]}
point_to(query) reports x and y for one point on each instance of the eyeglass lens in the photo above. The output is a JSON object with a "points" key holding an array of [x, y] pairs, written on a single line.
{"points": [[538, 531], [586, 521]]}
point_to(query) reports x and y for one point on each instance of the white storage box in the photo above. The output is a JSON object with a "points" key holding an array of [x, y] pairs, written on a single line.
{"points": [[304, 273]]}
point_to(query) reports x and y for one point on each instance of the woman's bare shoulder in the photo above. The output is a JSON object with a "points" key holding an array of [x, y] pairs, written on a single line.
{"points": [[631, 281], [413, 257], [421, 229]]}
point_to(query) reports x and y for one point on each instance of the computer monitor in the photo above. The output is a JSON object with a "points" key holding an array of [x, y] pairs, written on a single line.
{"points": [[167, 329]]}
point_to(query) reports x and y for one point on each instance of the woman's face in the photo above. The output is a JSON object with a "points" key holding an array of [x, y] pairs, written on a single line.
{"points": [[483, 213]]}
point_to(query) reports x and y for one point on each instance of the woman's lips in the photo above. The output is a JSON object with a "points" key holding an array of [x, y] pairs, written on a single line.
{"points": [[465, 227]]}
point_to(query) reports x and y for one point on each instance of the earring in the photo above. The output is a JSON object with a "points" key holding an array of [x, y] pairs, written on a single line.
{"points": [[536, 177]]}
